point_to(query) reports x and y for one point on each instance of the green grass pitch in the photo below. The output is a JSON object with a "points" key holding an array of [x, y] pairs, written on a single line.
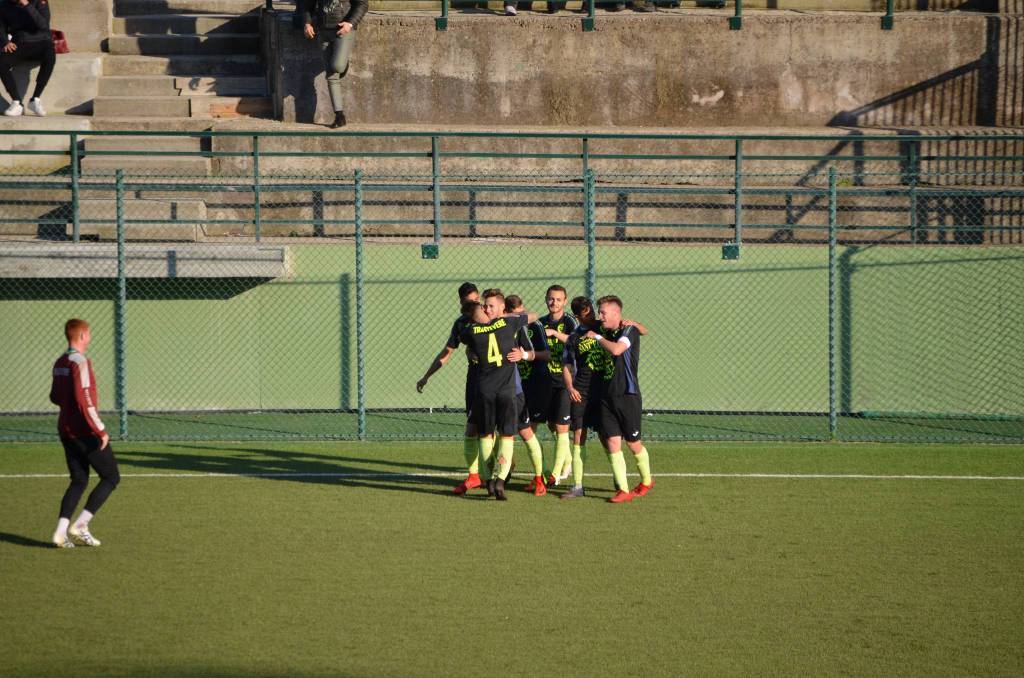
{"points": [[352, 559]]}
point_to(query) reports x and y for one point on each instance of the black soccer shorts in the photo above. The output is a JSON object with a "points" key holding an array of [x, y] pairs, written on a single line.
{"points": [[522, 412], [621, 416], [551, 404], [495, 412]]}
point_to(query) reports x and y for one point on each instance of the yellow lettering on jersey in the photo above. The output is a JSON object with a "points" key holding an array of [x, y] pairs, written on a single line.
{"points": [[482, 329]]}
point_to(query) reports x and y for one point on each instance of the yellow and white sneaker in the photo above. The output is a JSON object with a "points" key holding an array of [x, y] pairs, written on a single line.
{"points": [[62, 542], [81, 536]]}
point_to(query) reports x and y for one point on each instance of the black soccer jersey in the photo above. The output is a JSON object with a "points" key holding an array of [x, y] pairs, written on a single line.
{"points": [[585, 357], [455, 338], [567, 324], [534, 337], [621, 376], [491, 343]]}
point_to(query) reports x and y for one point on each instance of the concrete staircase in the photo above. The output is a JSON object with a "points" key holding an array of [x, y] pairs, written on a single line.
{"points": [[176, 65]]}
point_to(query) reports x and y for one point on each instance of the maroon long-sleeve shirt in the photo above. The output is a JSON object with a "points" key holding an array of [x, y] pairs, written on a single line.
{"points": [[74, 391]]}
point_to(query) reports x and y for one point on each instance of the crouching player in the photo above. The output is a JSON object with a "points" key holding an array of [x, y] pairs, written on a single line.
{"points": [[84, 437]]}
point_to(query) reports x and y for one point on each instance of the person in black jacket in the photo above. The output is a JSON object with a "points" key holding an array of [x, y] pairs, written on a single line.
{"points": [[25, 36], [332, 23]]}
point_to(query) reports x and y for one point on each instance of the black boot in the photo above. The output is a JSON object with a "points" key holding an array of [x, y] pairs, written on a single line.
{"points": [[339, 120]]}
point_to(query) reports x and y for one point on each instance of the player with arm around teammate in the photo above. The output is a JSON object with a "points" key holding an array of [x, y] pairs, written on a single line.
{"points": [[621, 404], [83, 435], [532, 348], [468, 292], [494, 404], [549, 401]]}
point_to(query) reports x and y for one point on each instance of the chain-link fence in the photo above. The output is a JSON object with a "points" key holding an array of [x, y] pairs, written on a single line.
{"points": [[825, 305]]}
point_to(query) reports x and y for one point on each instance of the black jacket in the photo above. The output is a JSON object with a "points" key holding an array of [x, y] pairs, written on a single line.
{"points": [[30, 23], [330, 13]]}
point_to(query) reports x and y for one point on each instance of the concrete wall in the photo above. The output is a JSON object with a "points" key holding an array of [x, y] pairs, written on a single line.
{"points": [[86, 23], [72, 87], [666, 70]]}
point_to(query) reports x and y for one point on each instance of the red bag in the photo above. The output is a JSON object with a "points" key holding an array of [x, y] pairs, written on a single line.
{"points": [[60, 43]]}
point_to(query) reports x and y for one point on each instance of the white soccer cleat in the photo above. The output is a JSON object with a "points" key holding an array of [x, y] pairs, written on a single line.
{"points": [[36, 106], [14, 110], [566, 471], [510, 10], [80, 535], [61, 541]]}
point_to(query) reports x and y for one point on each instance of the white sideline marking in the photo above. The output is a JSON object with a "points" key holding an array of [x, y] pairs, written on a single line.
{"points": [[459, 474]]}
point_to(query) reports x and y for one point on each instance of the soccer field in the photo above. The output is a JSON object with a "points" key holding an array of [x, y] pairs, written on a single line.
{"points": [[353, 559]]}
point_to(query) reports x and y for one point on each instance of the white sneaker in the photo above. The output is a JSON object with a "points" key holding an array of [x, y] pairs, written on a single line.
{"points": [[80, 535], [14, 110], [36, 106], [61, 541], [510, 10]]}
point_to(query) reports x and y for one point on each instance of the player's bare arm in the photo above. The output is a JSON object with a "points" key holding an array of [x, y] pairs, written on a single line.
{"points": [[616, 348], [439, 361], [642, 329], [574, 395]]}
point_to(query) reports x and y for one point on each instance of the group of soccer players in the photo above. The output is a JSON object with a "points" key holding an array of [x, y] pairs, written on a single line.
{"points": [[575, 371]]}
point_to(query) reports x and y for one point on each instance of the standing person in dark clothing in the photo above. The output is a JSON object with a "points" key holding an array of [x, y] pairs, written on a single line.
{"points": [[85, 439], [332, 23], [28, 24]]}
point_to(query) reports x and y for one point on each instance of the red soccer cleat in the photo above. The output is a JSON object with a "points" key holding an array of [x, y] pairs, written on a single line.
{"points": [[468, 484], [539, 490], [552, 480], [641, 490], [621, 497]]}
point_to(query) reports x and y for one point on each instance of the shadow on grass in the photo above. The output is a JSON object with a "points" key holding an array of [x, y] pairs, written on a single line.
{"points": [[18, 540], [302, 467]]}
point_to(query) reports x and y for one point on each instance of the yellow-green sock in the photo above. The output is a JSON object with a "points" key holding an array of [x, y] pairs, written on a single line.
{"points": [[619, 470], [579, 455], [504, 465], [643, 462], [561, 453], [471, 450], [486, 446], [536, 456]]}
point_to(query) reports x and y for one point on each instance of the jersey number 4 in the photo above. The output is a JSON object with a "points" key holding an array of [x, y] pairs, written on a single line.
{"points": [[493, 352]]}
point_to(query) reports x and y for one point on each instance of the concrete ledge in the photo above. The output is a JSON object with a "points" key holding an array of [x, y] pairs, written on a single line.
{"points": [[66, 260], [72, 87], [86, 23]]}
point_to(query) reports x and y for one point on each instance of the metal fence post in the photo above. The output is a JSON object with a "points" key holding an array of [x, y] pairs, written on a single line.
{"points": [[257, 216], [120, 364], [360, 307], [888, 18], [736, 22], [738, 190], [435, 169], [833, 420], [441, 22], [589, 232], [75, 224], [913, 155], [588, 21]]}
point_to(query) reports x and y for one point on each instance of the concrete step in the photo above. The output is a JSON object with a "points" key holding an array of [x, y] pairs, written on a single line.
{"points": [[202, 65], [135, 143], [186, 24], [137, 85], [163, 166], [157, 45], [189, 213], [203, 106], [123, 8], [137, 124], [221, 86], [231, 107], [164, 107]]}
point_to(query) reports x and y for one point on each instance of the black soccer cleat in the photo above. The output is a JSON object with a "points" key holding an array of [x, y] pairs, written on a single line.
{"points": [[339, 120], [499, 490], [490, 487]]}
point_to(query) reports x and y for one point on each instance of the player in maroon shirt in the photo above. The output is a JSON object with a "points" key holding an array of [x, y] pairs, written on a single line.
{"points": [[85, 439]]}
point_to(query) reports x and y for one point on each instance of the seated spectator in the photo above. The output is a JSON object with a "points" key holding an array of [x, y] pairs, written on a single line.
{"points": [[25, 37], [331, 23]]}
